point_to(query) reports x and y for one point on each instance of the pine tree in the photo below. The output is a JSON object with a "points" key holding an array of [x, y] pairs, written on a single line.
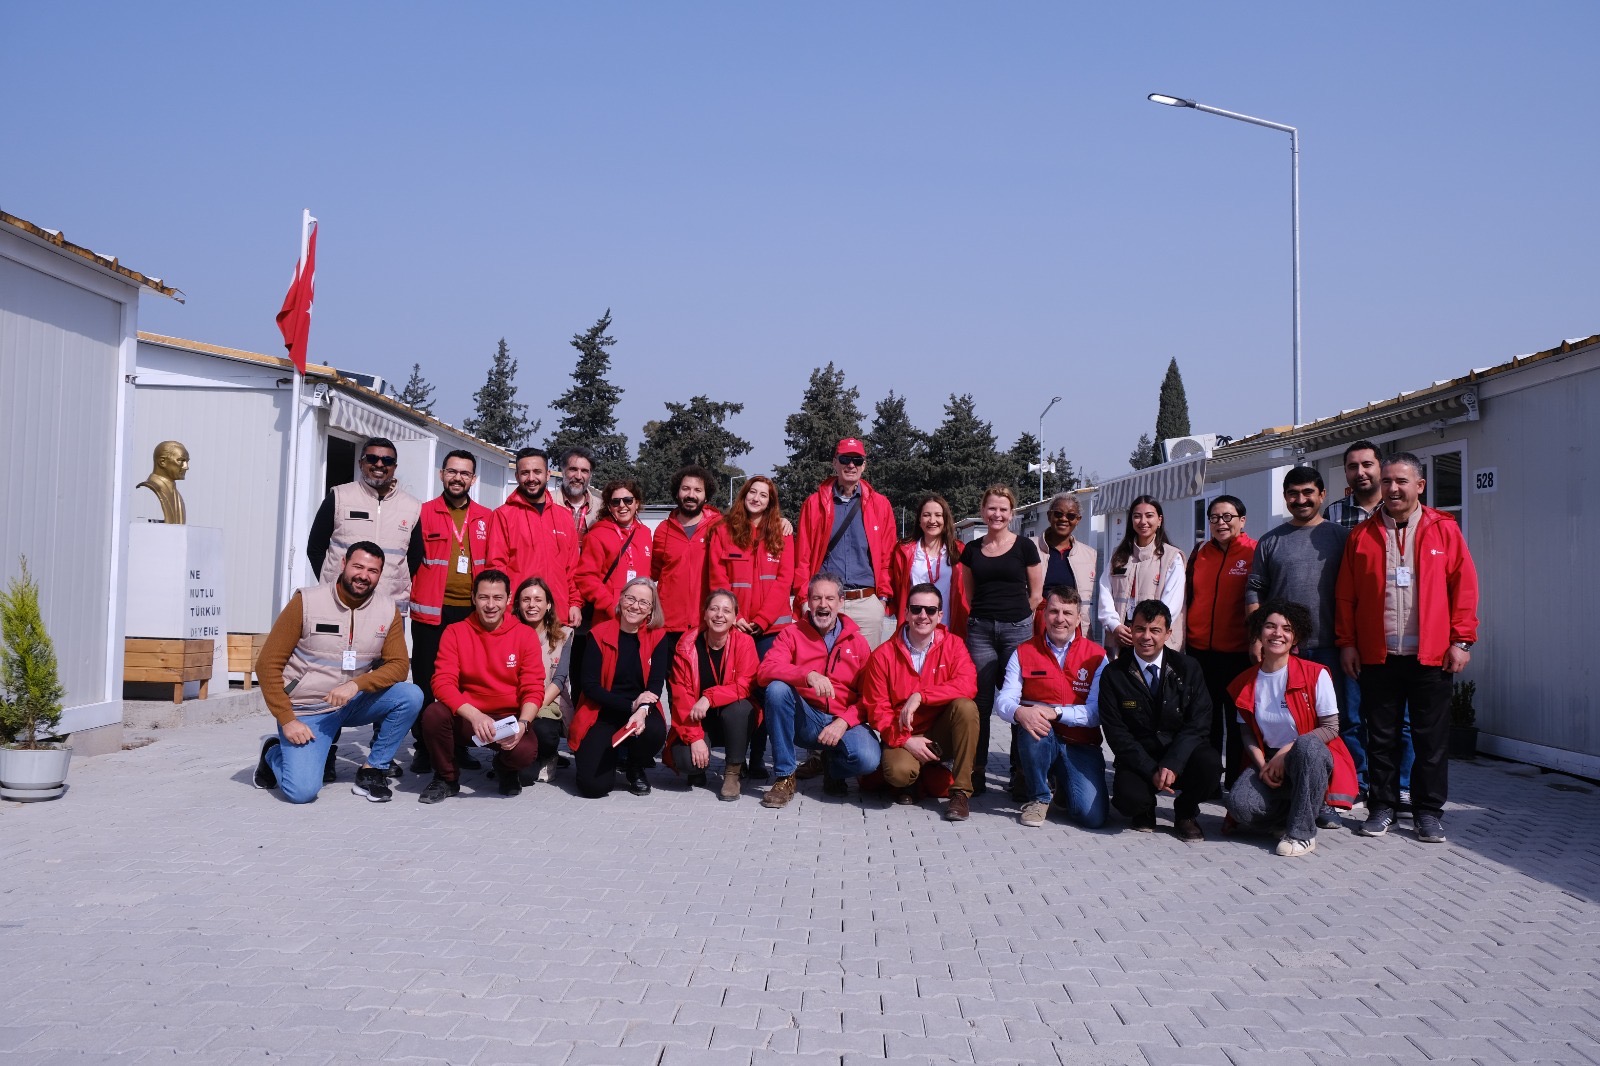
{"points": [[589, 407], [964, 458], [31, 692], [500, 419], [1172, 413], [899, 453], [1143, 453], [828, 413], [691, 434], [417, 393]]}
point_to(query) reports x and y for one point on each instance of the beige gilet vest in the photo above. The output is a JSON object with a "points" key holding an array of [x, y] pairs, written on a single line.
{"points": [[1142, 579], [358, 514], [327, 630]]}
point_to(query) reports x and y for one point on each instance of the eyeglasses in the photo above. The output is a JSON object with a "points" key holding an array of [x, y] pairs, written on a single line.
{"points": [[379, 460], [622, 501], [1224, 519], [458, 473], [922, 608], [851, 460], [635, 601], [1069, 516]]}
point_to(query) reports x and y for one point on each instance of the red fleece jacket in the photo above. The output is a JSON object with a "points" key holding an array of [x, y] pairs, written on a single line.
{"points": [[494, 670]]}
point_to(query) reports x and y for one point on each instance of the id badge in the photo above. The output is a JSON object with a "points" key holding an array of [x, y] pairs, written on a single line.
{"points": [[461, 564], [348, 663], [632, 574], [1402, 577]]}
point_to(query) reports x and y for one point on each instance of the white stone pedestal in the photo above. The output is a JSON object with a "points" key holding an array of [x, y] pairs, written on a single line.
{"points": [[175, 590]]}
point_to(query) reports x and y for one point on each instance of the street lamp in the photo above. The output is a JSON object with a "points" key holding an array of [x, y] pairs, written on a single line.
{"points": [[733, 481], [1053, 401], [1294, 202]]}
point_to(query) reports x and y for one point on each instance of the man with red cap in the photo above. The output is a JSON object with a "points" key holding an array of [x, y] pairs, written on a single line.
{"points": [[847, 528]]}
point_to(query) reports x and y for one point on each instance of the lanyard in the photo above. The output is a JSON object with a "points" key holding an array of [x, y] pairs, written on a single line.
{"points": [[719, 670], [935, 567]]}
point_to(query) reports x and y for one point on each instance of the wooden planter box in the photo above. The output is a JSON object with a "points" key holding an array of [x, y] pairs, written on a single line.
{"points": [[243, 651], [168, 661]]}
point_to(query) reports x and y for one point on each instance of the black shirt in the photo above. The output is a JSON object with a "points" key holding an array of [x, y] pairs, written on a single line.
{"points": [[711, 662], [1000, 584], [627, 681]]}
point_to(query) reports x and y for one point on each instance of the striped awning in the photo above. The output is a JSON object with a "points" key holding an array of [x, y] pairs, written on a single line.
{"points": [[1169, 481], [358, 418]]}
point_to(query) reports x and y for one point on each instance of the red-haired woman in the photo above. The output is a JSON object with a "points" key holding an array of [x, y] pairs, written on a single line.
{"points": [[753, 557]]}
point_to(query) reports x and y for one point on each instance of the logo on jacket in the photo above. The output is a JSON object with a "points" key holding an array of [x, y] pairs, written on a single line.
{"points": [[404, 525], [483, 529], [1083, 673], [511, 661], [1240, 568], [1435, 551]]}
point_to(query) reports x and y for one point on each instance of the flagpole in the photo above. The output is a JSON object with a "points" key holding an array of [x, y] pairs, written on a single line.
{"points": [[286, 585]]}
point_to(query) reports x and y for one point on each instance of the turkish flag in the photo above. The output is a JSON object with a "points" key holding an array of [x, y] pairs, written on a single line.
{"points": [[294, 321]]}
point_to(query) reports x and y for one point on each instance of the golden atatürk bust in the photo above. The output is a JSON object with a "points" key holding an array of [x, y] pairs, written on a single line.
{"points": [[171, 461]]}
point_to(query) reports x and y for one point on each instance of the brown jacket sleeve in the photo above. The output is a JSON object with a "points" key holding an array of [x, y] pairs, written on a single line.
{"points": [[396, 660], [275, 652]]}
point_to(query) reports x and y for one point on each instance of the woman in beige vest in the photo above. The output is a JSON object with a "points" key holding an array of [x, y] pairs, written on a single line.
{"points": [[1145, 566], [534, 606]]}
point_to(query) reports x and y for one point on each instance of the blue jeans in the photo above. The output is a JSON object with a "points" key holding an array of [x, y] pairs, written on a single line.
{"points": [[1080, 769], [1352, 730], [792, 722], [299, 766]]}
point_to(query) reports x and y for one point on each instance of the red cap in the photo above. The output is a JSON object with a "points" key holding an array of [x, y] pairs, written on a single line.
{"points": [[851, 446]]}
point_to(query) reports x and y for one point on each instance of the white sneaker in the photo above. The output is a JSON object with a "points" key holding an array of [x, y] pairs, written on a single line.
{"points": [[544, 770], [1294, 849], [1033, 814]]}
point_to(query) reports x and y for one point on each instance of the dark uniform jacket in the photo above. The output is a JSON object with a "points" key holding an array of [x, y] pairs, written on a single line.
{"points": [[1146, 732]]}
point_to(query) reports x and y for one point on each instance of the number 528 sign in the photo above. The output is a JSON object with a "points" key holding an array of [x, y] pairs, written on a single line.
{"points": [[1486, 480]]}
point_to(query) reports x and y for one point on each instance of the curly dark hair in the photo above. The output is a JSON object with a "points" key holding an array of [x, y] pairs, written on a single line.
{"points": [[1298, 615]]}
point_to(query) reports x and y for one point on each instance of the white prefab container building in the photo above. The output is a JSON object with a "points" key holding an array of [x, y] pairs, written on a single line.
{"points": [[231, 409], [1509, 455], [68, 322]]}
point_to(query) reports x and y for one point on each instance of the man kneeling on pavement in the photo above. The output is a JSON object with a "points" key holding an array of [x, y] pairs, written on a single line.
{"points": [[1156, 714], [810, 696], [488, 685], [918, 692], [1050, 690], [336, 657]]}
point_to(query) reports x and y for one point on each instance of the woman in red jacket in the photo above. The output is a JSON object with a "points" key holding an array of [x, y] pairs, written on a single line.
{"points": [[1298, 768], [615, 551], [753, 557], [619, 716], [713, 668], [930, 554]]}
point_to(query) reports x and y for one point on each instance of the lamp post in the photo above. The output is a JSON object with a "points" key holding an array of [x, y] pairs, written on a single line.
{"points": [[1294, 204], [1053, 401], [733, 481]]}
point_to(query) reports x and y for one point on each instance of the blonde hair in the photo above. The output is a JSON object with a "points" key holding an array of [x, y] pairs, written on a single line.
{"points": [[657, 619], [1005, 492]]}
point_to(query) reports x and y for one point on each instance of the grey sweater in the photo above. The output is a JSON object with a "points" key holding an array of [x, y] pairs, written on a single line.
{"points": [[1300, 564]]}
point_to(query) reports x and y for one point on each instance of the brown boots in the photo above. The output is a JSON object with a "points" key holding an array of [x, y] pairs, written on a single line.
{"points": [[731, 775]]}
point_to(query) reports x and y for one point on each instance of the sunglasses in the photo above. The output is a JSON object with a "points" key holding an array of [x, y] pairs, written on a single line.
{"points": [[622, 501], [379, 460], [922, 608], [851, 460], [1068, 517]]}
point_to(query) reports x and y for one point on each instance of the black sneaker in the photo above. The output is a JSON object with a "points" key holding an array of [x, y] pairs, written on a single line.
{"points": [[697, 779], [465, 759], [265, 778], [328, 769], [373, 783], [637, 783], [509, 784], [1328, 817], [422, 762], [439, 790], [835, 786], [1378, 822], [1430, 828], [393, 769], [757, 772]]}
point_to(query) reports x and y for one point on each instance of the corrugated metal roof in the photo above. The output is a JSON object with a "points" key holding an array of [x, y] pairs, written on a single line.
{"points": [[104, 262], [328, 373]]}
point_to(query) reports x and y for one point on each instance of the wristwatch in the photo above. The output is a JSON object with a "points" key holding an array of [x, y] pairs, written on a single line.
{"points": [[1464, 645]]}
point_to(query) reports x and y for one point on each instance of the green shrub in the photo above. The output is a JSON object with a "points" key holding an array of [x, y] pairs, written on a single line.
{"points": [[30, 687]]}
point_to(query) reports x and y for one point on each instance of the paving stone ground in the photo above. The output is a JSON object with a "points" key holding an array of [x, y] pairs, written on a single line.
{"points": [[166, 912]]}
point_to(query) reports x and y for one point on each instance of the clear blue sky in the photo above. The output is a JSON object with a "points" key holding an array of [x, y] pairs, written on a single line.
{"points": [[938, 197]]}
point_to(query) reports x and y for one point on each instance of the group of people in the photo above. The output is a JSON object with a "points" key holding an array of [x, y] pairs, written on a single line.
{"points": [[1283, 672]]}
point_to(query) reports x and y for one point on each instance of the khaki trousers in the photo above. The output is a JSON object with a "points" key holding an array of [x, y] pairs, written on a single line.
{"points": [[955, 733], [868, 613]]}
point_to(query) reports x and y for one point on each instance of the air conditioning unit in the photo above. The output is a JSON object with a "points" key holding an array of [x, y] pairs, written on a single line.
{"points": [[1177, 448]]}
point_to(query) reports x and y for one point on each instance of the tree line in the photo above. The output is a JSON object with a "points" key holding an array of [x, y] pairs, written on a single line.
{"points": [[956, 459]]}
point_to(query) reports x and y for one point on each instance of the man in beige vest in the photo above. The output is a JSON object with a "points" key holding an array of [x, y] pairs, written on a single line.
{"points": [[372, 508], [336, 656]]}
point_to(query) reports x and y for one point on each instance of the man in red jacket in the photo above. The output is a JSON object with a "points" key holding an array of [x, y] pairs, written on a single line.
{"points": [[810, 695], [1214, 615], [1406, 618], [678, 553], [918, 692], [531, 535], [847, 528], [488, 684]]}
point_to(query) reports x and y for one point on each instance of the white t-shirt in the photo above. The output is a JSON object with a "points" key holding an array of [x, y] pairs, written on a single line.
{"points": [[934, 571], [1272, 709]]}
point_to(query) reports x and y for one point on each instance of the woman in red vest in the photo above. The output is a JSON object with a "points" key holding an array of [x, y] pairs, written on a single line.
{"points": [[713, 668], [1298, 769], [751, 556], [930, 554], [619, 716]]}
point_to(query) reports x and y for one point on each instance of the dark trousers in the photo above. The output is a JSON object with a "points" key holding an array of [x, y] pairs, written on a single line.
{"points": [[1134, 794], [727, 727], [443, 731], [1388, 691], [1220, 668], [595, 762], [425, 650]]}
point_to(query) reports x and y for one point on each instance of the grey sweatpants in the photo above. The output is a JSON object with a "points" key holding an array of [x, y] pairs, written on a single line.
{"points": [[1295, 803]]}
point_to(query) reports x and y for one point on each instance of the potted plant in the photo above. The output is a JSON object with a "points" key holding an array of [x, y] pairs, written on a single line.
{"points": [[1463, 721], [32, 766]]}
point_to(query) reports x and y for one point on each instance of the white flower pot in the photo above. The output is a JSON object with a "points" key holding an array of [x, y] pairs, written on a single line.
{"points": [[33, 774]]}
